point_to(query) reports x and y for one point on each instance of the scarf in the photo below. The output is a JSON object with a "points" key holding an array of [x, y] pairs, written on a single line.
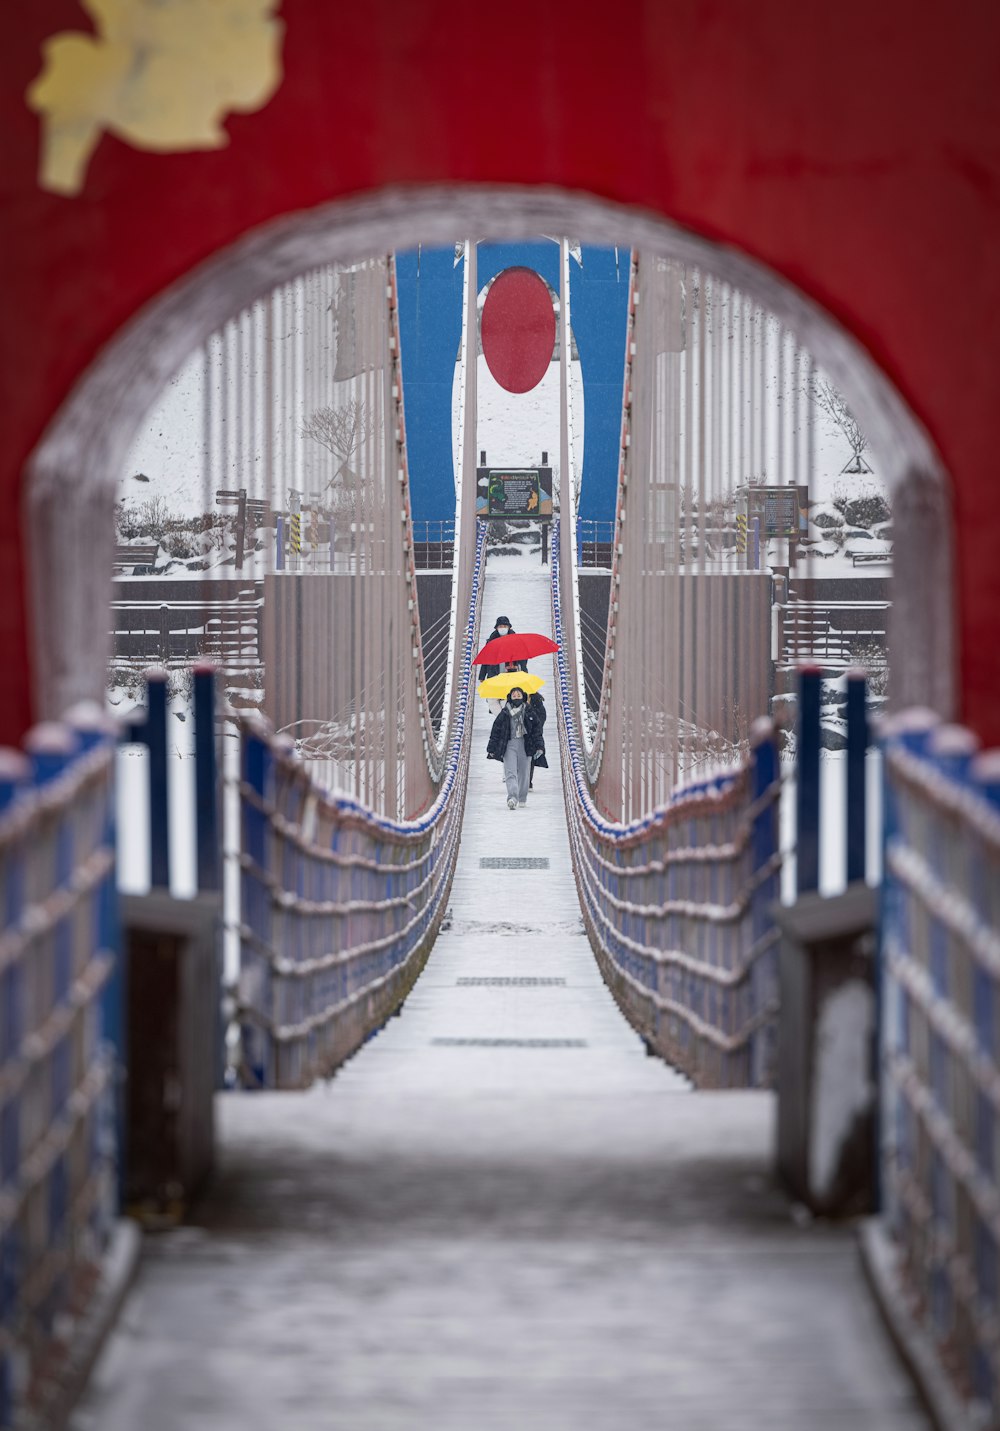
{"points": [[516, 720]]}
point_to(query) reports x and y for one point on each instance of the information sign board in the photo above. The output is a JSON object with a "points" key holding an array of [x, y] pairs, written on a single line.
{"points": [[515, 493], [777, 508]]}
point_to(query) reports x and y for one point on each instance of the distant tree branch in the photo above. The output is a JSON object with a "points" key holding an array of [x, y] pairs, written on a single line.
{"points": [[832, 404], [341, 430]]}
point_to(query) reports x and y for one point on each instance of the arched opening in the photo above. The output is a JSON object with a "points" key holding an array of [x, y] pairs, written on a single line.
{"points": [[71, 482]]}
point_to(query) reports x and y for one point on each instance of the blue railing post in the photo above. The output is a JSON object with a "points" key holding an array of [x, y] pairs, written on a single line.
{"points": [[206, 779], [50, 746], [763, 776], [807, 799], [857, 745], [14, 772], [159, 811], [94, 727], [15, 776], [764, 773], [56, 805]]}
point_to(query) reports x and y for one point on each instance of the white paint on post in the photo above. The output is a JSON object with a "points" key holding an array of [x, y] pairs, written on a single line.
{"points": [[842, 1088]]}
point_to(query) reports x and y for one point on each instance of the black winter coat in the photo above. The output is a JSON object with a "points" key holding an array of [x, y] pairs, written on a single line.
{"points": [[537, 704], [500, 735], [488, 671]]}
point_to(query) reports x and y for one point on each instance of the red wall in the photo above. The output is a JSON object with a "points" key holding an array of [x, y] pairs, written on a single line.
{"points": [[854, 147]]}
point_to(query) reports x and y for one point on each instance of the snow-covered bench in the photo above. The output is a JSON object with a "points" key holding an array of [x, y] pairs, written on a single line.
{"points": [[127, 558]]}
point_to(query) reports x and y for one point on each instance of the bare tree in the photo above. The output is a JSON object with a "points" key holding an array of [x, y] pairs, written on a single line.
{"points": [[343, 431], [831, 403]]}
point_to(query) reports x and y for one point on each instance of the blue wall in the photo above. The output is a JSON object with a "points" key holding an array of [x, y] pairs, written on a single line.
{"points": [[429, 285], [430, 321], [598, 310]]}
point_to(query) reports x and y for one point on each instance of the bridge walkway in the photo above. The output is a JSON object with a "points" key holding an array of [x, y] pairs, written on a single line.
{"points": [[502, 1214]]}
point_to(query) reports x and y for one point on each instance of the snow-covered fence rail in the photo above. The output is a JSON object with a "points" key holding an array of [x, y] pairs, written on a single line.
{"points": [[595, 542], [58, 1009], [171, 627], [677, 905], [434, 545], [941, 1043], [836, 634], [339, 906]]}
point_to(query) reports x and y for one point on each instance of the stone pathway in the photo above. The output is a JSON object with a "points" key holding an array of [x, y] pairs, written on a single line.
{"points": [[501, 1216]]}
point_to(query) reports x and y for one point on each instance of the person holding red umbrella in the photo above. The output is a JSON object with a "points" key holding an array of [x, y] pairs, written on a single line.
{"points": [[501, 627]]}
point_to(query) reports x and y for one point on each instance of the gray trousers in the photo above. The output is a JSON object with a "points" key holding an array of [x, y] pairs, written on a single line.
{"points": [[516, 769]]}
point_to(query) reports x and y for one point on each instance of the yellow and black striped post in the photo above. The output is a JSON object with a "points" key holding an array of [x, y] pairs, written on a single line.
{"points": [[295, 511]]}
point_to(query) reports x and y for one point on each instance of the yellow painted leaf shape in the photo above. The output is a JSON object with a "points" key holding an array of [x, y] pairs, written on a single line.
{"points": [[160, 74]]}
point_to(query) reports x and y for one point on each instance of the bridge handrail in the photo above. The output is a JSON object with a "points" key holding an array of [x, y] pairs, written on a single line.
{"points": [[434, 744], [940, 1042], [58, 1007], [677, 903], [339, 905], [593, 751]]}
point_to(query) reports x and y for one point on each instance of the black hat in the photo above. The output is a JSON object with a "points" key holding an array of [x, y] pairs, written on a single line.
{"points": [[502, 621]]}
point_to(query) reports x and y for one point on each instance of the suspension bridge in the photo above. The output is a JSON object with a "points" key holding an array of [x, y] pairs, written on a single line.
{"points": [[545, 1193]]}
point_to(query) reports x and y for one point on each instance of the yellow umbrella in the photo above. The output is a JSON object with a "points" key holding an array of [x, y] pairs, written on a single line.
{"points": [[502, 685]]}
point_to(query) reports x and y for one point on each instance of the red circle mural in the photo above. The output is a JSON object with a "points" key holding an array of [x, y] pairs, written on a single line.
{"points": [[518, 329]]}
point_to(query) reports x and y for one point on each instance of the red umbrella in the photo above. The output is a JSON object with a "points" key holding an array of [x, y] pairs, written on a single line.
{"points": [[518, 646]]}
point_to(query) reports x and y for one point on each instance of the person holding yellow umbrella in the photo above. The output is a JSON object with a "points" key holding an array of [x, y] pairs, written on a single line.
{"points": [[516, 737]]}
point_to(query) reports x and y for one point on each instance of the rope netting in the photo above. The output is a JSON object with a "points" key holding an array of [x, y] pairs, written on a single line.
{"points": [[265, 524], [677, 903], [941, 1045], [742, 546], [58, 1017], [339, 905]]}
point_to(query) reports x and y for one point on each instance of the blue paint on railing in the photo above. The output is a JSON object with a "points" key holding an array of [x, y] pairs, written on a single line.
{"points": [[941, 912], [159, 807], [672, 949], [206, 776], [56, 857], [807, 790], [857, 747], [298, 1023]]}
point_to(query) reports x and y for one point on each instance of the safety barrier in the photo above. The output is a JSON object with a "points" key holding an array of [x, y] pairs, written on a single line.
{"points": [[339, 907], [595, 542], [677, 905], [149, 728], [941, 1040], [59, 1018]]}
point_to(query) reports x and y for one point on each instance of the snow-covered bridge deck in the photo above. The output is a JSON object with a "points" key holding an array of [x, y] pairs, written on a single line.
{"points": [[502, 1214]]}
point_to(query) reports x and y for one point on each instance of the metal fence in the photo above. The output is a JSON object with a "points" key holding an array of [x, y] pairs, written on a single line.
{"points": [[677, 905], [940, 1044], [835, 634], [339, 907], [595, 542], [434, 545], [173, 623], [58, 1008]]}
